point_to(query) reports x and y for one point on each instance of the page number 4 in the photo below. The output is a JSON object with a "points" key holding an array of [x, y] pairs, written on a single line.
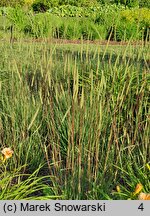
{"points": [[141, 207]]}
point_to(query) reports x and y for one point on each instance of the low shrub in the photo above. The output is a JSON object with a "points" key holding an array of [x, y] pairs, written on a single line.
{"points": [[43, 5], [42, 25], [18, 18], [74, 28], [136, 15], [127, 31], [40, 6], [134, 22]]}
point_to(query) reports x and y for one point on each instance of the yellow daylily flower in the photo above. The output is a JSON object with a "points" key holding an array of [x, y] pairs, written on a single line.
{"points": [[144, 196], [138, 188], [7, 152]]}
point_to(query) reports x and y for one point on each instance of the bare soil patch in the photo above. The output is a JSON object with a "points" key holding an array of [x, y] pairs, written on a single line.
{"points": [[66, 41], [99, 42]]}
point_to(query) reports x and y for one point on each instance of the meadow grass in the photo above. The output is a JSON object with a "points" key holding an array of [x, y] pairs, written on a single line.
{"points": [[82, 111]]}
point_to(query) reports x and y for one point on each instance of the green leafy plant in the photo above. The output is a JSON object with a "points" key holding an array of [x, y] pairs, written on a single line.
{"points": [[15, 185]]}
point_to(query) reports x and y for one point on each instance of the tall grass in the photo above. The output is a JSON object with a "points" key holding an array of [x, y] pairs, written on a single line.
{"points": [[82, 111]]}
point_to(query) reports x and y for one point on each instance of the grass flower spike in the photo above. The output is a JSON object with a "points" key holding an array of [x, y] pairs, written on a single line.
{"points": [[7, 152]]}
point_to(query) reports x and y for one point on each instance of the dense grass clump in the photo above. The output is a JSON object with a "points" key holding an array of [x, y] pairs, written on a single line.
{"points": [[81, 111]]}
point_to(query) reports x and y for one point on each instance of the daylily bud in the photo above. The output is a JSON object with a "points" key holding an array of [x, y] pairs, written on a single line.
{"points": [[138, 188]]}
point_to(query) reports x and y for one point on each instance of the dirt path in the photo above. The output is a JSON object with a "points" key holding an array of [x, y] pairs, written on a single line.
{"points": [[99, 42], [66, 41]]}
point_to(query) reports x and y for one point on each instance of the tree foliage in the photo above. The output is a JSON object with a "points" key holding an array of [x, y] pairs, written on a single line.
{"points": [[55, 3], [11, 3]]}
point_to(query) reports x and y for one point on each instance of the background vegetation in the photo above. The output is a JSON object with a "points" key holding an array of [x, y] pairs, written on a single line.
{"points": [[53, 3], [71, 22]]}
